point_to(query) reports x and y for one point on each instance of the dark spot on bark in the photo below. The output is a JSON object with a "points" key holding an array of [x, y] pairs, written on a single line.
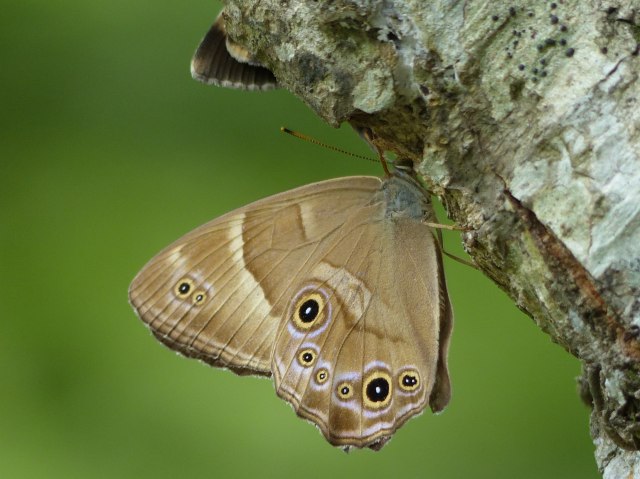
{"points": [[311, 68], [515, 90], [632, 333]]}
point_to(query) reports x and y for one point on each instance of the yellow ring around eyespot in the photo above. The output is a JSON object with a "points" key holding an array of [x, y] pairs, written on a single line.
{"points": [[298, 322], [322, 380], [377, 404], [409, 373], [176, 288], [304, 363], [199, 297], [349, 393]]}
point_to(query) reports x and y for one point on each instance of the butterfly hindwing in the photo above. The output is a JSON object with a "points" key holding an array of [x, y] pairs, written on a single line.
{"points": [[362, 347], [219, 61]]}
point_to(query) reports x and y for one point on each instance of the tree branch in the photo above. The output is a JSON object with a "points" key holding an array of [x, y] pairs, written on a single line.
{"points": [[526, 121]]}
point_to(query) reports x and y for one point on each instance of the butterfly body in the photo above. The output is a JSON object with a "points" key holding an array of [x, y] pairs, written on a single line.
{"points": [[335, 289]]}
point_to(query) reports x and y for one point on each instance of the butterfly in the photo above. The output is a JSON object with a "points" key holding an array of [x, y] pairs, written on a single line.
{"points": [[220, 61], [334, 289]]}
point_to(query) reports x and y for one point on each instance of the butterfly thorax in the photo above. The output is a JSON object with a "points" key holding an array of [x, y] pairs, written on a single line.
{"points": [[404, 197]]}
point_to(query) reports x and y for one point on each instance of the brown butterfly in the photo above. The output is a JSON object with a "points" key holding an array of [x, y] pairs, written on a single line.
{"points": [[336, 289], [222, 62]]}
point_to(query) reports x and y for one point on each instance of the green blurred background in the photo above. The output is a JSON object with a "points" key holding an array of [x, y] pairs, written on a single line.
{"points": [[109, 151]]}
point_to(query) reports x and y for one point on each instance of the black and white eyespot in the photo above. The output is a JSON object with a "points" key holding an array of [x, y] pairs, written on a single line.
{"points": [[322, 375], [183, 288], [307, 357], [344, 391], [377, 390], [409, 380], [199, 297], [309, 310]]}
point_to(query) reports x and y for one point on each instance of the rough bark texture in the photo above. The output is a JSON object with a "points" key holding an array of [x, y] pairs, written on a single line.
{"points": [[524, 117]]}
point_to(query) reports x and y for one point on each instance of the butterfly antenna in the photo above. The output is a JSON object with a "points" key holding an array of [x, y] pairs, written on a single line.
{"points": [[330, 147]]}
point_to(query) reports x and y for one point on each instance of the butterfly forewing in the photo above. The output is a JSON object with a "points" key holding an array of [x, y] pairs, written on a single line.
{"points": [[216, 293]]}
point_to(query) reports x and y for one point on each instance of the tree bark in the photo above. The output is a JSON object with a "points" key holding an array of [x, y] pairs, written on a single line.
{"points": [[524, 117]]}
